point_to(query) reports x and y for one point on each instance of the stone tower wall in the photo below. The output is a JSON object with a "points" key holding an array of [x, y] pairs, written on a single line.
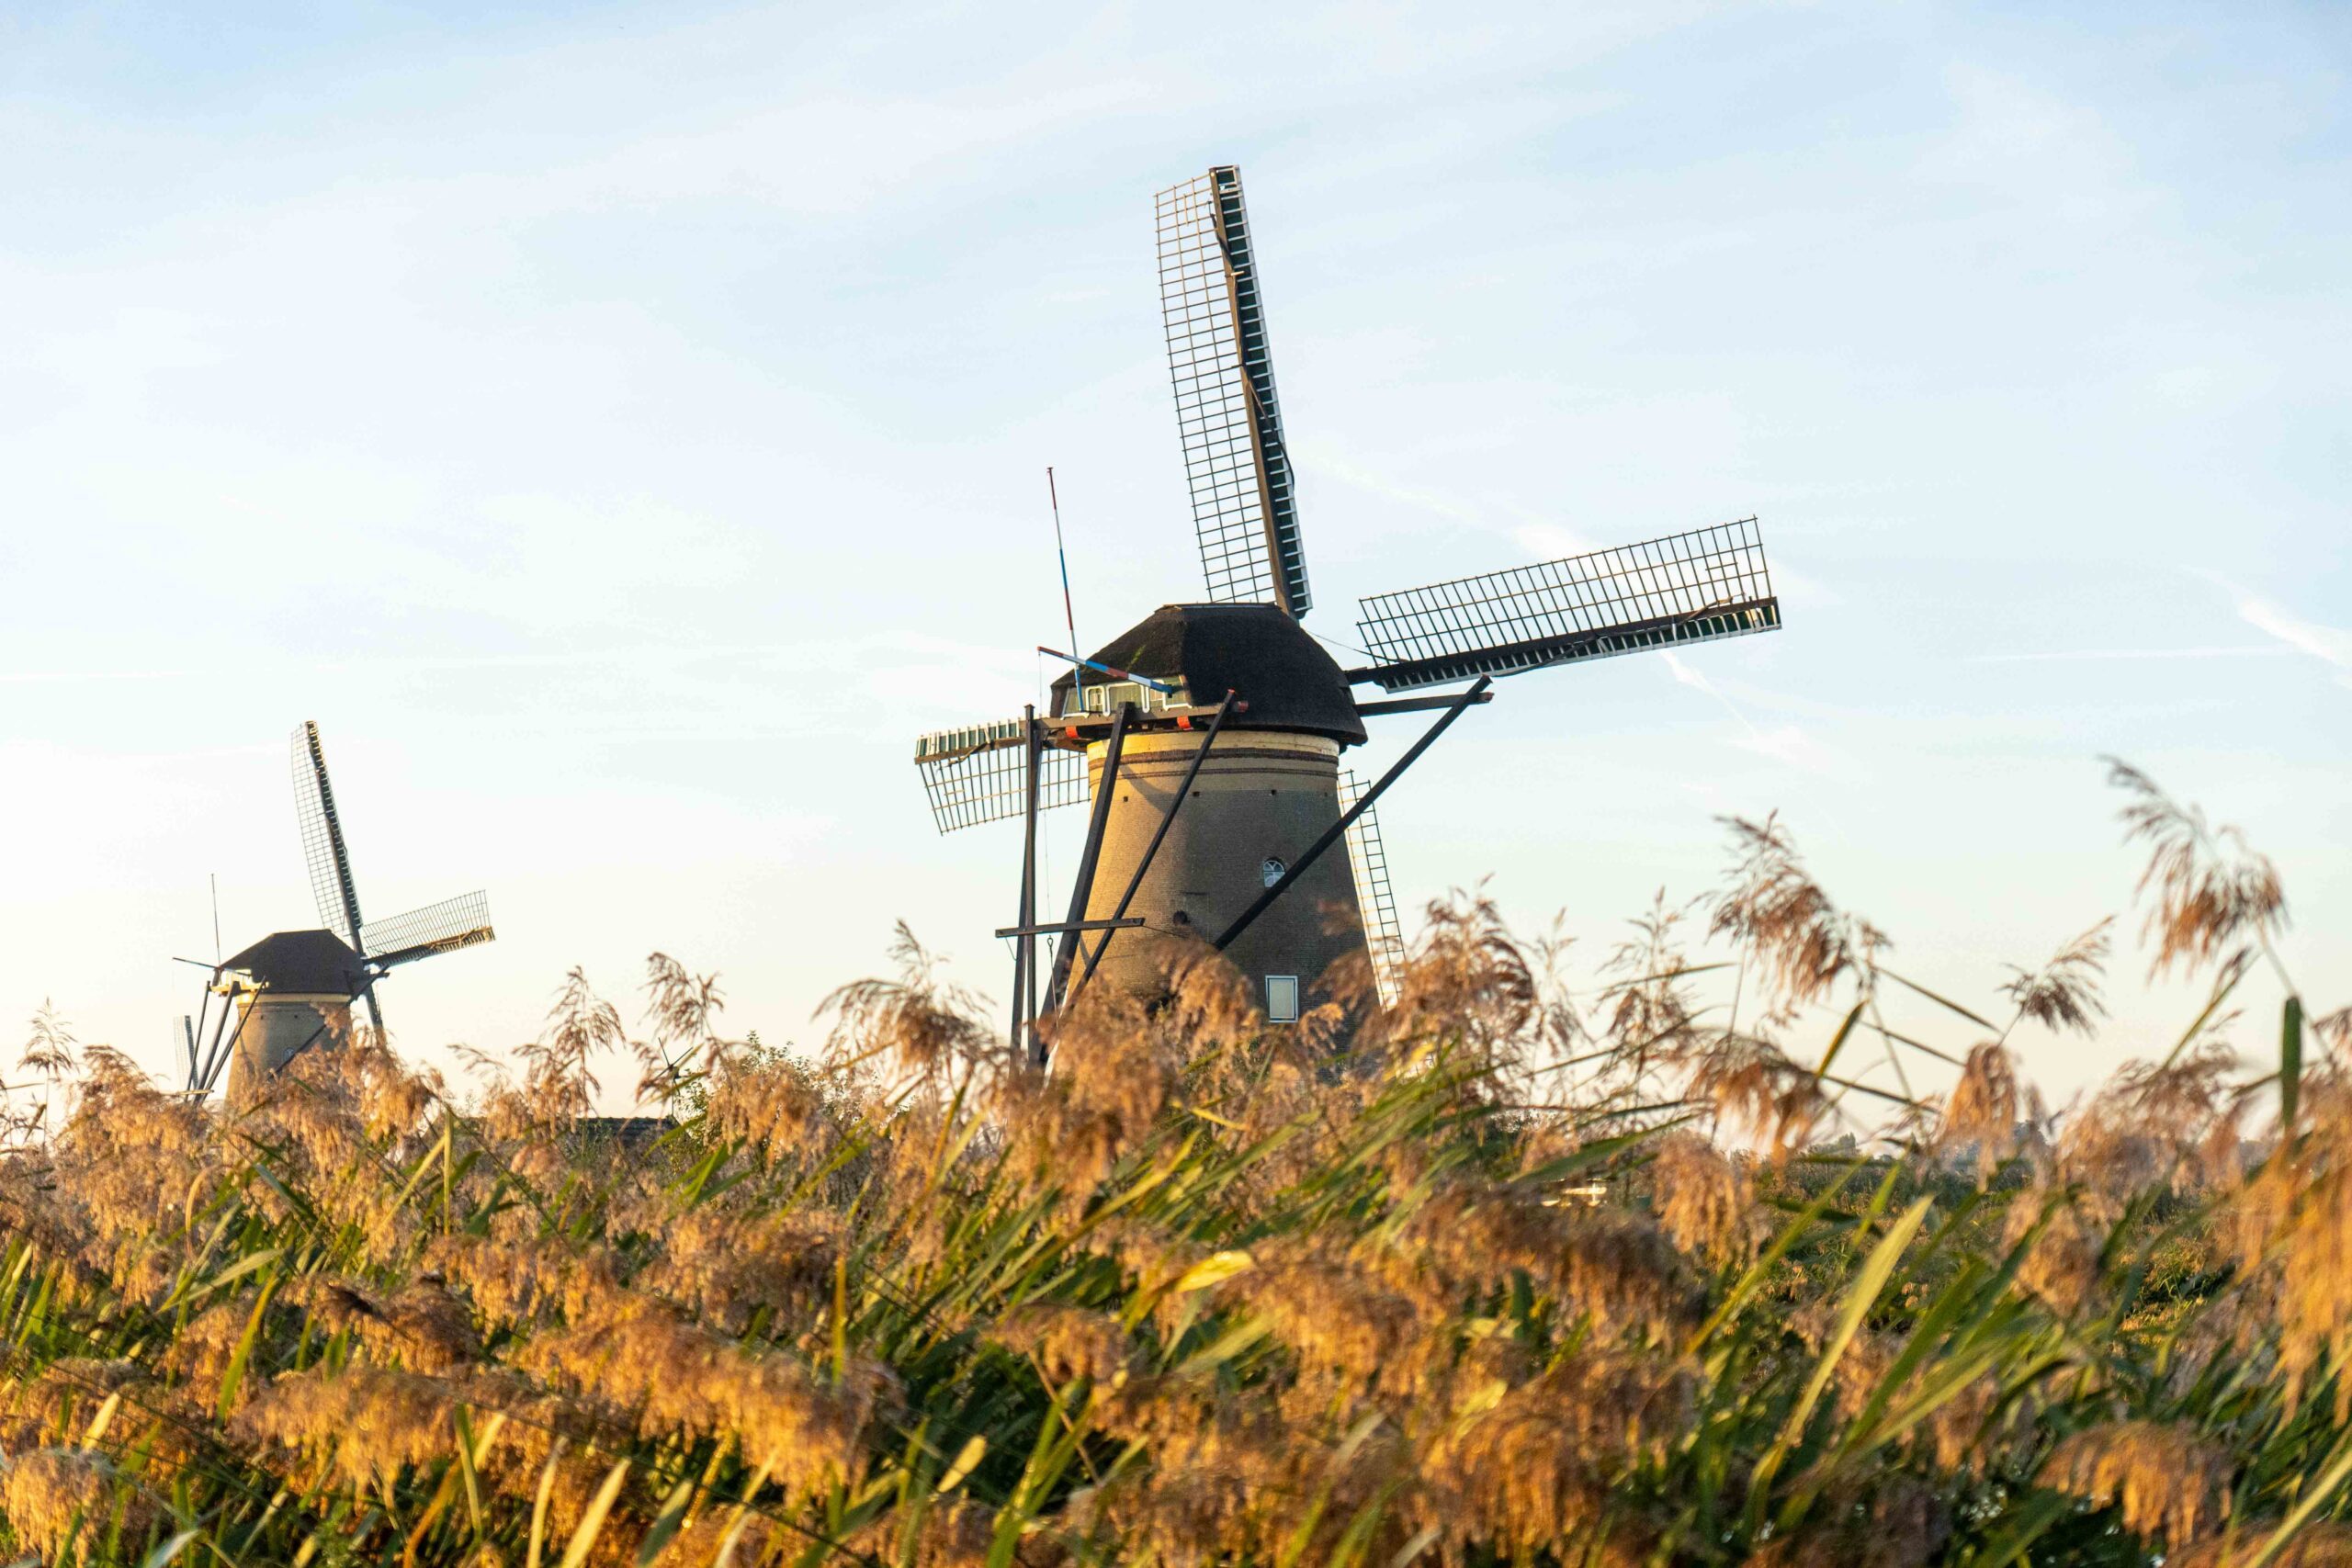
{"points": [[273, 1029], [1261, 794]]}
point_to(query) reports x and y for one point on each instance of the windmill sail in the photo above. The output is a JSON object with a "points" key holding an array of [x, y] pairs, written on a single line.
{"points": [[1708, 583], [1375, 898], [980, 774], [453, 923], [322, 846], [1225, 410]]}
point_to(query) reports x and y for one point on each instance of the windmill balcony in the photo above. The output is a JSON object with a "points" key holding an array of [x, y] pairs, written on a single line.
{"points": [[1106, 696]]}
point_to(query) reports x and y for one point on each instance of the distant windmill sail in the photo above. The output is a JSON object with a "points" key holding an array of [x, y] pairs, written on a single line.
{"points": [[1234, 459], [453, 923], [321, 829], [1697, 586], [462, 921]]}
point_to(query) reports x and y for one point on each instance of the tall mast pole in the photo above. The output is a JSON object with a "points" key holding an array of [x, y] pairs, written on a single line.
{"points": [[1070, 615]]}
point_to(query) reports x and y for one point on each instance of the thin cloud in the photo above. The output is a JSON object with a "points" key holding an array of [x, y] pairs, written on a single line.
{"points": [[2332, 646], [1686, 676], [2066, 655], [1788, 744], [2326, 644], [1784, 743]]}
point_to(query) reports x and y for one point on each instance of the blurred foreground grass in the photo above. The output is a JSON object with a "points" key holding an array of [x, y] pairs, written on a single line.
{"points": [[1504, 1274]]}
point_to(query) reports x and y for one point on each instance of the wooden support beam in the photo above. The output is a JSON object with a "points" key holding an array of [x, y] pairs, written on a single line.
{"points": [[1166, 817], [1331, 835], [1052, 927], [1083, 886], [1411, 705]]}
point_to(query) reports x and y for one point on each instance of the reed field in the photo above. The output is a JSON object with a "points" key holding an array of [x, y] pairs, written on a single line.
{"points": [[1524, 1268]]}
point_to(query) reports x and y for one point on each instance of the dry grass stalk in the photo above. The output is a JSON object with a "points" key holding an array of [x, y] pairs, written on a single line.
{"points": [[2171, 1481], [928, 1031], [1306, 1295], [1755, 1090], [1774, 909], [1705, 1199], [1069, 1342], [371, 1422], [1654, 1005], [51, 1054], [2335, 1031], [1897, 1522], [683, 1008], [2063, 993], [2211, 890], [52, 1496], [2319, 1543], [1982, 1112]]}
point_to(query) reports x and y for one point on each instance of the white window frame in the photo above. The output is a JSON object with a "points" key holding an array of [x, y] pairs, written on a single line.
{"points": [[1280, 987]]}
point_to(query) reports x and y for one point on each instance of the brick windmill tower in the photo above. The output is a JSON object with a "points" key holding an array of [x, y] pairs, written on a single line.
{"points": [[1209, 735]]}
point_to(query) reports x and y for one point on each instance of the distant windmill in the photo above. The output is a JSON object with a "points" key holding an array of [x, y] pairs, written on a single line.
{"points": [[1209, 734], [294, 989]]}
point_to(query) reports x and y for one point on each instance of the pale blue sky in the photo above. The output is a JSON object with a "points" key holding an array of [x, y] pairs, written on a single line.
{"points": [[623, 428]]}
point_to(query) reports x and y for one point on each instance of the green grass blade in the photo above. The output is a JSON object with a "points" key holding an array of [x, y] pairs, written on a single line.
{"points": [[2290, 1066], [592, 1523], [1868, 1282]]}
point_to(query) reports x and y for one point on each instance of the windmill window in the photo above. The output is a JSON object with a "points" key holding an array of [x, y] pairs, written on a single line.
{"points": [[1282, 999]]}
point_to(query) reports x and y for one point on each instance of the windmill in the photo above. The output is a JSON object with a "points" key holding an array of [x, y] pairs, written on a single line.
{"points": [[1208, 737], [292, 991]]}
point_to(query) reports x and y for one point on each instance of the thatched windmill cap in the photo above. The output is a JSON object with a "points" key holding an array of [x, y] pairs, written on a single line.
{"points": [[1256, 651], [302, 963]]}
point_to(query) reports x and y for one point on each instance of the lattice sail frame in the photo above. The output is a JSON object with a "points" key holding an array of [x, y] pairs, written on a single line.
{"points": [[444, 927], [1706, 583], [321, 831], [1375, 898], [980, 774], [1227, 414]]}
